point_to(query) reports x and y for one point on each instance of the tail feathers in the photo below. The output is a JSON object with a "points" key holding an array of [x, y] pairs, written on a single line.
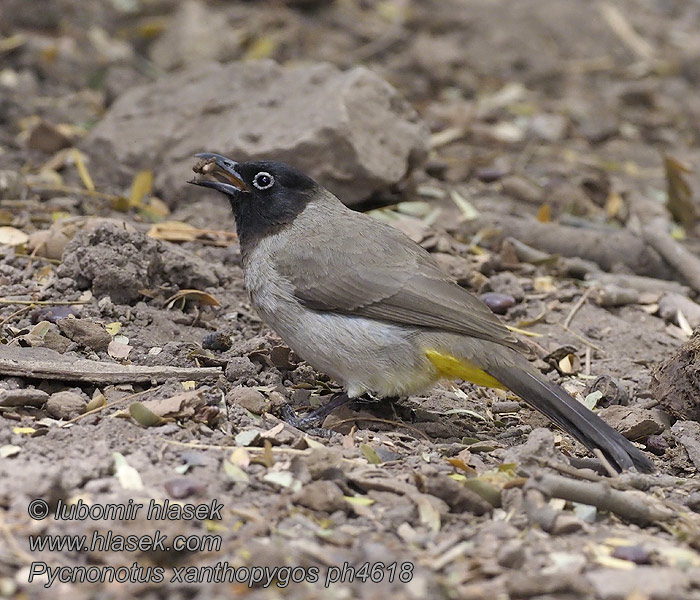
{"points": [[574, 418]]}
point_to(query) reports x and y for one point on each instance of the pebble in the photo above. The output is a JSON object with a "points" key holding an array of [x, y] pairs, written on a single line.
{"points": [[498, 303], [23, 397], [239, 367], [85, 332], [217, 341], [65, 405], [248, 398], [321, 495]]}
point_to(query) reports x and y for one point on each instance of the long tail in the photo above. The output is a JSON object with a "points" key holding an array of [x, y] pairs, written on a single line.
{"points": [[573, 417]]}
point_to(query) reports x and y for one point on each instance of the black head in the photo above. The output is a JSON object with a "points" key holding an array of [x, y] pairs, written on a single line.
{"points": [[264, 195]]}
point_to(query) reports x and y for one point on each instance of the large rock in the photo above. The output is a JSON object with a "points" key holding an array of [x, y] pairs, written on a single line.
{"points": [[118, 263], [349, 130]]}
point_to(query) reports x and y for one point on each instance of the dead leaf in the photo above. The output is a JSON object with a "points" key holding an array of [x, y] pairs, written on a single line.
{"points": [[427, 512], [174, 231], [141, 187], [144, 416], [203, 298], [235, 473], [283, 479], [370, 454], [272, 433], [176, 407], [127, 476], [113, 328], [680, 196], [118, 350], [12, 236], [9, 450], [570, 364], [544, 213], [78, 157], [240, 457], [359, 500]]}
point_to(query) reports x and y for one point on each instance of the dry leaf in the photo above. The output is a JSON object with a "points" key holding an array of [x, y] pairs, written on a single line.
{"points": [[235, 473], [370, 454], [141, 187], [203, 298], [544, 213], [144, 416], [12, 236], [174, 231], [179, 406], [127, 476], [113, 328], [680, 196], [272, 433], [427, 512], [118, 350], [78, 157], [240, 457]]}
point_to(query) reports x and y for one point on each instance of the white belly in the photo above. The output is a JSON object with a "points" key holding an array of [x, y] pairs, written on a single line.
{"points": [[361, 354]]}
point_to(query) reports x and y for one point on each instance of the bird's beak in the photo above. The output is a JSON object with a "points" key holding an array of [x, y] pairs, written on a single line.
{"points": [[228, 180]]}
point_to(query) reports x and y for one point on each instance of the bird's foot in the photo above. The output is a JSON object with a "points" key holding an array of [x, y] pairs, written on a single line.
{"points": [[310, 422]]}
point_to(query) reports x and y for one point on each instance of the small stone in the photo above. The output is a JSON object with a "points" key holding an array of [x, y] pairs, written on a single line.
{"points": [[547, 127], [85, 332], [506, 284], [23, 397], [498, 303], [183, 487], [55, 341], [239, 367], [632, 422], [217, 341], [635, 554], [612, 389], [657, 444], [47, 138], [11, 184], [277, 400], [511, 555], [321, 495], [522, 189], [65, 405], [651, 582], [248, 398], [52, 314]]}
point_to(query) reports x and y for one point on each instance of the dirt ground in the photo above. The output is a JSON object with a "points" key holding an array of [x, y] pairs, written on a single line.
{"points": [[559, 180]]}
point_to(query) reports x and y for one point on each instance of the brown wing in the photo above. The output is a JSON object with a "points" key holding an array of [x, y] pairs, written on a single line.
{"points": [[380, 273]]}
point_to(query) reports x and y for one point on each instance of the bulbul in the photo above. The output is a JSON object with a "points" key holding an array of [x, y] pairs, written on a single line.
{"points": [[362, 302]]}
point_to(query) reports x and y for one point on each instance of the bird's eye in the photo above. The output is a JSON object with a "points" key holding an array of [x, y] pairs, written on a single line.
{"points": [[263, 181]]}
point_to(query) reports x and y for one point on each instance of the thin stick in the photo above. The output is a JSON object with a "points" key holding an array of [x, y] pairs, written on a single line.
{"points": [[44, 302], [682, 260], [71, 190], [110, 405], [605, 462], [12, 543], [388, 421], [577, 306], [583, 339], [31, 257], [18, 312]]}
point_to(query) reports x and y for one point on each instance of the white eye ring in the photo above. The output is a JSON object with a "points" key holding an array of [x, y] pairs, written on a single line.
{"points": [[267, 184]]}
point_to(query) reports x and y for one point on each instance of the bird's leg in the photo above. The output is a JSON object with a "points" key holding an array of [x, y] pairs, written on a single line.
{"points": [[309, 421], [370, 400]]}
